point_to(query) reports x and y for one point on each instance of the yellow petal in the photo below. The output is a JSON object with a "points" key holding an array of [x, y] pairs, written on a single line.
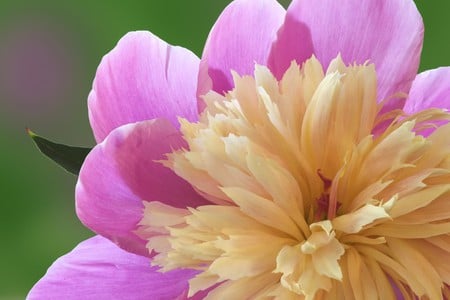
{"points": [[361, 280], [245, 288], [417, 200], [340, 114], [394, 268], [263, 210], [355, 221], [280, 184], [326, 259], [384, 287], [409, 231], [417, 264]]}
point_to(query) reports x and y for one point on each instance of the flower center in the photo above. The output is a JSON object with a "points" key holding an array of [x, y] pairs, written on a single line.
{"points": [[325, 208], [273, 158]]}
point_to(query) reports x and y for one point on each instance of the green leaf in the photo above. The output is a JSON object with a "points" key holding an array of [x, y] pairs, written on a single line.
{"points": [[68, 157]]}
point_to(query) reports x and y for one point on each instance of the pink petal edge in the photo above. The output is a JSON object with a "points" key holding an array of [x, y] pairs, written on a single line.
{"points": [[430, 89], [98, 269], [140, 79], [241, 37], [123, 171], [386, 33]]}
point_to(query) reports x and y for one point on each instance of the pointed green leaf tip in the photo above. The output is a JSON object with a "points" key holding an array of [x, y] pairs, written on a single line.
{"points": [[68, 157]]}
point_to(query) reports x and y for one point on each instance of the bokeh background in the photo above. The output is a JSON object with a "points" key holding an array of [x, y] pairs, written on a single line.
{"points": [[49, 51]]}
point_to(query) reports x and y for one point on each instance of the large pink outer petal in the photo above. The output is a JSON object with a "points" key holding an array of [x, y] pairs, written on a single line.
{"points": [[97, 269], [140, 79], [430, 89], [387, 33], [123, 171], [241, 37]]}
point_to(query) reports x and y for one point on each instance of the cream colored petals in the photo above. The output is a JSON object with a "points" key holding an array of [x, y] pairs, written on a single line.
{"points": [[306, 202]]}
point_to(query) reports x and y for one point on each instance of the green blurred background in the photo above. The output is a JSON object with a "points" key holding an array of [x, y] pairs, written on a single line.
{"points": [[49, 51]]}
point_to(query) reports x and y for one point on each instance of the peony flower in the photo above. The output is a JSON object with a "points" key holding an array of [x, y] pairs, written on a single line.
{"points": [[300, 158]]}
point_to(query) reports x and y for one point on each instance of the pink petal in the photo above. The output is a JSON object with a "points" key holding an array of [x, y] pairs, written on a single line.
{"points": [[430, 89], [241, 37], [121, 172], [388, 33], [98, 269], [140, 79]]}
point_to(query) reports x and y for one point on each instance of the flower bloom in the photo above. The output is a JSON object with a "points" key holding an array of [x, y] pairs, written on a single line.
{"points": [[300, 158]]}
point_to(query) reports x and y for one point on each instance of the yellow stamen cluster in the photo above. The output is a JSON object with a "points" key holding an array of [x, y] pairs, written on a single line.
{"points": [[311, 198]]}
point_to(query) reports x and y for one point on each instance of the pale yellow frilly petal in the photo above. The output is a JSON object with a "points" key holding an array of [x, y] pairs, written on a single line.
{"points": [[314, 195]]}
